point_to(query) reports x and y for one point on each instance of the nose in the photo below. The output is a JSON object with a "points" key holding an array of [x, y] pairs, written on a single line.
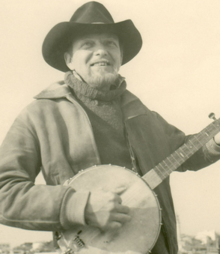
{"points": [[100, 51]]}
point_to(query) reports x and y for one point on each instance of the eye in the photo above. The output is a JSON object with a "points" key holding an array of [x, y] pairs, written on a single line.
{"points": [[87, 44], [111, 43]]}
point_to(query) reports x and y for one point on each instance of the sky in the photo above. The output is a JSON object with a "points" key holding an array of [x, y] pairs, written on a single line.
{"points": [[176, 73]]}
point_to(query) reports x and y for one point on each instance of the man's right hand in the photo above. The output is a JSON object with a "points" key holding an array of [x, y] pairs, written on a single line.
{"points": [[105, 211]]}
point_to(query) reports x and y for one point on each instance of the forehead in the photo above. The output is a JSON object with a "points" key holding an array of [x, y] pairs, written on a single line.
{"points": [[96, 36]]}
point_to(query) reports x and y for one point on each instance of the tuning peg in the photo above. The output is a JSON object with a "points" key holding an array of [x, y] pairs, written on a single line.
{"points": [[212, 116]]}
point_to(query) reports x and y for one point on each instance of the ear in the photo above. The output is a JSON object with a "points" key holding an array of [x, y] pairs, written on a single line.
{"points": [[121, 58], [121, 50], [68, 60]]}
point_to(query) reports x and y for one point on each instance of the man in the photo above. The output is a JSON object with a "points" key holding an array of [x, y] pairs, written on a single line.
{"points": [[88, 119]]}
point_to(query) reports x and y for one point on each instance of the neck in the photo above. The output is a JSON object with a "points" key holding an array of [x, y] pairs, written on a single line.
{"points": [[94, 93], [102, 83]]}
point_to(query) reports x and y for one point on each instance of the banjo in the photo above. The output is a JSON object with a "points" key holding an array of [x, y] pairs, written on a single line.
{"points": [[139, 235]]}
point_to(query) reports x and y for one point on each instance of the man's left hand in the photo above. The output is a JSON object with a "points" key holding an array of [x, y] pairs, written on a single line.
{"points": [[217, 139]]}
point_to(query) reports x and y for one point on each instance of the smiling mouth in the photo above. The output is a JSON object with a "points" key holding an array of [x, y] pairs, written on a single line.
{"points": [[101, 63]]}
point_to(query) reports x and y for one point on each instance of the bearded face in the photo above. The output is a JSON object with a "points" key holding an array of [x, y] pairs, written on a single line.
{"points": [[96, 58]]}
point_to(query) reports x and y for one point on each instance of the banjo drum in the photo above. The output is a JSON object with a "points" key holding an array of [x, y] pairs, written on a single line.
{"points": [[136, 236]]}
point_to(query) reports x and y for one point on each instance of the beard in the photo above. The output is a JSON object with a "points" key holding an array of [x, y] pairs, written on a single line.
{"points": [[102, 80]]}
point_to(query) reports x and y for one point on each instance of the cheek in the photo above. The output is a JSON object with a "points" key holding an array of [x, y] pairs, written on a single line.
{"points": [[81, 58], [81, 65], [118, 62], [77, 61], [117, 58]]}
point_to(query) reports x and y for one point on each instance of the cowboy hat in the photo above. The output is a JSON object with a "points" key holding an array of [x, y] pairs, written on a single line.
{"points": [[90, 17]]}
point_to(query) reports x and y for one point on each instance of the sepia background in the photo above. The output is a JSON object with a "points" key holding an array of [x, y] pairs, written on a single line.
{"points": [[177, 74]]}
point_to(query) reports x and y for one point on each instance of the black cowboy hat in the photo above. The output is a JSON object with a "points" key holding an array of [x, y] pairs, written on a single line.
{"points": [[90, 17]]}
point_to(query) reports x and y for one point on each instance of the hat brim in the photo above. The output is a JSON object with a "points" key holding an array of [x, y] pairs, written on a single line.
{"points": [[57, 40]]}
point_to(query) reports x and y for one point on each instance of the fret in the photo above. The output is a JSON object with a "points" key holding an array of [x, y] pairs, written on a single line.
{"points": [[212, 128], [209, 128], [199, 140], [206, 133], [194, 143], [168, 163], [163, 170], [173, 157], [176, 162], [188, 148], [179, 157], [184, 152], [203, 136], [159, 172], [173, 163], [165, 166]]}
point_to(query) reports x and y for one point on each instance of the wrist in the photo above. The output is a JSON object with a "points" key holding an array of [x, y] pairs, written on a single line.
{"points": [[73, 208]]}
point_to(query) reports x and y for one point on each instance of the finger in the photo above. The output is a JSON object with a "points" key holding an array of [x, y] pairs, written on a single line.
{"points": [[118, 199], [122, 209], [121, 217], [114, 225], [120, 189]]}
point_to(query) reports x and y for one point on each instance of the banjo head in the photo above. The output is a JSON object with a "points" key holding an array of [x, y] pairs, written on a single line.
{"points": [[136, 236]]}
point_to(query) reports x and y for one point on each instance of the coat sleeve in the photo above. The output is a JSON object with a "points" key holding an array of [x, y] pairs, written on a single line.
{"points": [[24, 204], [204, 157], [207, 155]]}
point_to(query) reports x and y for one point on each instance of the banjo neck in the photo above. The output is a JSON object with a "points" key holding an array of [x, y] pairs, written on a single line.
{"points": [[156, 175]]}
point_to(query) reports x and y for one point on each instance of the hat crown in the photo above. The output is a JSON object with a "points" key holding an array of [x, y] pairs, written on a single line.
{"points": [[92, 12]]}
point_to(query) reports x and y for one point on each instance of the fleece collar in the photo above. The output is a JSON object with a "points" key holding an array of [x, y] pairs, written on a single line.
{"points": [[130, 104], [54, 91]]}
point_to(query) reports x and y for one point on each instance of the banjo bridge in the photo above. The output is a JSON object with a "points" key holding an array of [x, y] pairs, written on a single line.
{"points": [[77, 242]]}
